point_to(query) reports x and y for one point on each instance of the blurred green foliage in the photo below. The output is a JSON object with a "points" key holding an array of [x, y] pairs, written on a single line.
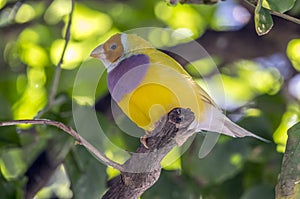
{"points": [[31, 44], [288, 183]]}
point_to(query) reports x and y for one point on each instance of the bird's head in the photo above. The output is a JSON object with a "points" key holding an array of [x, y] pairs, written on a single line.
{"points": [[119, 47]]}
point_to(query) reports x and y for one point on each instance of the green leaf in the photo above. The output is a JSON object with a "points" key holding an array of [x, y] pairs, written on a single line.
{"points": [[9, 137], [263, 19], [273, 107], [12, 189], [171, 185], [289, 181], [261, 191], [222, 163], [87, 174], [12, 163], [279, 5]]}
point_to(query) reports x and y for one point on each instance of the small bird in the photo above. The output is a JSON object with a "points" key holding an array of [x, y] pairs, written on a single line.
{"points": [[147, 84]]}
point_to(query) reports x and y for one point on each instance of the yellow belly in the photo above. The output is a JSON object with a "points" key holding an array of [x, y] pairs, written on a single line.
{"points": [[161, 90]]}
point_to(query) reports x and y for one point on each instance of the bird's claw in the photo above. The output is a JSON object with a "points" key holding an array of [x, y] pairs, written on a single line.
{"points": [[143, 140]]}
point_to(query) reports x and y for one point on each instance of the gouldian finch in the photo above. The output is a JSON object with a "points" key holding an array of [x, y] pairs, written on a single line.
{"points": [[147, 84]]}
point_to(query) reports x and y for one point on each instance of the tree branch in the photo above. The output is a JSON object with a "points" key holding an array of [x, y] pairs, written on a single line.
{"points": [[288, 184], [250, 2], [80, 140], [57, 73], [143, 167], [175, 2], [273, 43], [278, 14]]}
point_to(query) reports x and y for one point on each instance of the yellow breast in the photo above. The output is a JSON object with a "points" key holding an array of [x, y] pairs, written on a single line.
{"points": [[162, 89]]}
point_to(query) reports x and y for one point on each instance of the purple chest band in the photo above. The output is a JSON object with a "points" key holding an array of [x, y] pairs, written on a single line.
{"points": [[127, 75]]}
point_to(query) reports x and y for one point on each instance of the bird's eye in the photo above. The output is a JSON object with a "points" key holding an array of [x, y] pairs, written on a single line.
{"points": [[113, 46]]}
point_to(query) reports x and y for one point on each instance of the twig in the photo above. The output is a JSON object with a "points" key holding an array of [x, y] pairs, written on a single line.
{"points": [[57, 72], [278, 14], [58, 67], [285, 16], [71, 132], [175, 2], [250, 2]]}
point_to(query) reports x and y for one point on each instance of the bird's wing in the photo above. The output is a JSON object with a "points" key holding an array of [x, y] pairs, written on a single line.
{"points": [[165, 60]]}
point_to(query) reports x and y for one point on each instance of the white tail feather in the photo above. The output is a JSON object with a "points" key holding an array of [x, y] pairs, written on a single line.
{"points": [[216, 121], [234, 130]]}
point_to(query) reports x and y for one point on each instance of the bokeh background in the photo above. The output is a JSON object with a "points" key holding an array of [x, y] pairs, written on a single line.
{"points": [[260, 76]]}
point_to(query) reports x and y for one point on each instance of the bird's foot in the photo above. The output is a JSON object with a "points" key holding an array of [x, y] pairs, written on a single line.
{"points": [[143, 140]]}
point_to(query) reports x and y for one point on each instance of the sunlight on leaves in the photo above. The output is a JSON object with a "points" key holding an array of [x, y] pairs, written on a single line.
{"points": [[36, 78], [34, 97], [84, 100], [29, 35], [73, 55], [12, 164], [159, 38], [32, 46], [236, 159], [34, 55], [30, 103], [2, 3], [21, 83], [270, 80], [163, 12], [113, 153], [169, 158], [60, 190], [181, 16], [289, 118], [57, 10], [58, 184], [37, 34], [25, 13], [111, 172], [249, 80], [200, 67], [293, 52], [236, 88], [253, 112], [118, 9], [88, 22]]}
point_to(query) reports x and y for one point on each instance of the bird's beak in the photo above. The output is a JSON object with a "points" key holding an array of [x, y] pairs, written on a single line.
{"points": [[98, 53]]}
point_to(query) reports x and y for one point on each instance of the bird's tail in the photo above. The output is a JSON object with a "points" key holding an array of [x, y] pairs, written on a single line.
{"points": [[230, 129], [234, 130], [216, 121]]}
